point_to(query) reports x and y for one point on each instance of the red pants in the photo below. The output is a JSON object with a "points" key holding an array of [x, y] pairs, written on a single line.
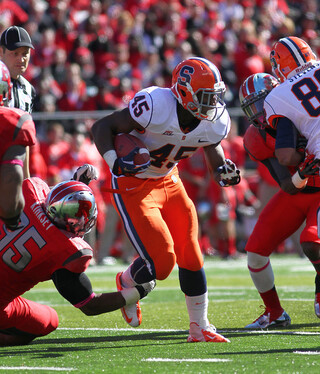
{"points": [[281, 217], [161, 222], [29, 317]]}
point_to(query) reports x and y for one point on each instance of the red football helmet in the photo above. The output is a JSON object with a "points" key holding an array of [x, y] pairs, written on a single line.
{"points": [[197, 85], [290, 56], [5, 85], [71, 206], [252, 94]]}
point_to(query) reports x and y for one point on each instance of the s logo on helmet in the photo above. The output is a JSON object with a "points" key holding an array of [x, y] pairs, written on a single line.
{"points": [[185, 75]]}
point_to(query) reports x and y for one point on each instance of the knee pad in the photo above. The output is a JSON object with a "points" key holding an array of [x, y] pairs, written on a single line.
{"points": [[256, 261], [192, 283], [141, 272]]}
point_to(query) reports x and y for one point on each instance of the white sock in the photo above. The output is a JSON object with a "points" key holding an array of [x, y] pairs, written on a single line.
{"points": [[126, 279], [198, 309], [260, 271], [131, 295]]}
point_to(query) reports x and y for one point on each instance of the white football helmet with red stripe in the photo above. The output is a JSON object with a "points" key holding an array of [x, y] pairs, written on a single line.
{"points": [[197, 85], [5, 85], [252, 94], [290, 56], [71, 206]]}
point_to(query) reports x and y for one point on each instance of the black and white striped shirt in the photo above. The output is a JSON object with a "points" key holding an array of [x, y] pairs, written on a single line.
{"points": [[22, 94]]}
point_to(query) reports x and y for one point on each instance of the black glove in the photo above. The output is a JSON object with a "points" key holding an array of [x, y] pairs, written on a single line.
{"points": [[145, 288], [229, 174], [310, 166], [301, 144], [85, 174], [126, 166], [13, 223]]}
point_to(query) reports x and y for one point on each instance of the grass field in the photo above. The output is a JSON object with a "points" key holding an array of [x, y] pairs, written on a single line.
{"points": [[105, 344]]}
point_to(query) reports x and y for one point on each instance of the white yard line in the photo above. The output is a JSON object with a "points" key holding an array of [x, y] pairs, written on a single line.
{"points": [[307, 352], [278, 332], [35, 368], [155, 359]]}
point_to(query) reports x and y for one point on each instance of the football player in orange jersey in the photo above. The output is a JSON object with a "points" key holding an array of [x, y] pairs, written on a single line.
{"points": [[293, 106], [48, 245], [159, 217], [298, 203], [17, 132]]}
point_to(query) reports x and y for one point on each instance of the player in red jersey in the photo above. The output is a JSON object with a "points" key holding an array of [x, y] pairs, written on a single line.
{"points": [[49, 245], [17, 131], [297, 203]]}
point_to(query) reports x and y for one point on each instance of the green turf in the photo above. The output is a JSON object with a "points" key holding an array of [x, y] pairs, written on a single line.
{"points": [[105, 344]]}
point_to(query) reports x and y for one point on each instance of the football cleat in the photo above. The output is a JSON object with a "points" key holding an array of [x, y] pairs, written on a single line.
{"points": [[131, 313], [208, 334], [317, 305], [265, 321]]}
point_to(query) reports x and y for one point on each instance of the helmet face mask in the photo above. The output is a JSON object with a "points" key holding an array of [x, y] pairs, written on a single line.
{"points": [[71, 206], [252, 93], [290, 56], [197, 85], [5, 85]]}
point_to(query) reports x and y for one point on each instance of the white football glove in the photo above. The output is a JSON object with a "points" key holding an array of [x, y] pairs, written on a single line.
{"points": [[229, 174], [85, 174]]}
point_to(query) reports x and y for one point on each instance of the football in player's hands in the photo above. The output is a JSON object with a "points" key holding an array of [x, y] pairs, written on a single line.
{"points": [[126, 143], [133, 155]]}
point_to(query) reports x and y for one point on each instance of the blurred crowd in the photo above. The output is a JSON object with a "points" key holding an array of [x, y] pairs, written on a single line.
{"points": [[95, 54]]}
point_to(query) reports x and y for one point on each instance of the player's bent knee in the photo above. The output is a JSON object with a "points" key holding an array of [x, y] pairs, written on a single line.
{"points": [[311, 250], [256, 261], [165, 267], [53, 323]]}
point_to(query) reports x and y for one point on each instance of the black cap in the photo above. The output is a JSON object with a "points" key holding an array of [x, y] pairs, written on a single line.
{"points": [[15, 37]]}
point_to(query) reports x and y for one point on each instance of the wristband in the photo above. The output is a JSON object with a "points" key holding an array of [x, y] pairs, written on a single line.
{"points": [[131, 295], [297, 181], [13, 162], [110, 157]]}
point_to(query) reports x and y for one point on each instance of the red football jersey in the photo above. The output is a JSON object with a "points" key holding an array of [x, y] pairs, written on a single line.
{"points": [[16, 128], [261, 146], [30, 255]]}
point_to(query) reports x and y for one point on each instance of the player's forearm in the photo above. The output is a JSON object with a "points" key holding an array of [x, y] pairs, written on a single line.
{"points": [[103, 303], [288, 156]]}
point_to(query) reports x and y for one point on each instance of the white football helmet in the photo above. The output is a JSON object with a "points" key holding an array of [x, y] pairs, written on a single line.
{"points": [[5, 85], [71, 206], [252, 94]]}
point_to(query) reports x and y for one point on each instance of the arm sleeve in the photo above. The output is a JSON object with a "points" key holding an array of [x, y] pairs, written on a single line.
{"points": [[74, 287], [287, 134]]}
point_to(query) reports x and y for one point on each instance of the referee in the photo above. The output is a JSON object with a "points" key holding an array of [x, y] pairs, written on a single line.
{"points": [[15, 51]]}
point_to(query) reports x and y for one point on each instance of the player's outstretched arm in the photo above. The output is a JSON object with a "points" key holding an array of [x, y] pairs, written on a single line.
{"points": [[77, 289]]}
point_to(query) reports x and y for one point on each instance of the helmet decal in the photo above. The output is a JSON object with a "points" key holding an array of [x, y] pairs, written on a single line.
{"points": [[185, 75]]}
